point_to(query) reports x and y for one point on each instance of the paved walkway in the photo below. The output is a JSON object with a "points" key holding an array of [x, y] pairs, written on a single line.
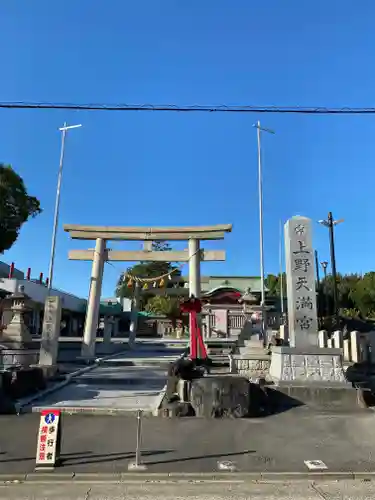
{"points": [[306, 490], [125, 383], [278, 443]]}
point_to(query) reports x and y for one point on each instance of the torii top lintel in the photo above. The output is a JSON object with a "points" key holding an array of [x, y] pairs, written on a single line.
{"points": [[81, 232]]}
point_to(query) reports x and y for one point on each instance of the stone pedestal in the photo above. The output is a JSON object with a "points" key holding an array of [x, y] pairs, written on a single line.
{"points": [[314, 364]]}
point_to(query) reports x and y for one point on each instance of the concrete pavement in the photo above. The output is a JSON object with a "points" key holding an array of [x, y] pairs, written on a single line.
{"points": [[218, 490], [275, 444], [124, 384]]}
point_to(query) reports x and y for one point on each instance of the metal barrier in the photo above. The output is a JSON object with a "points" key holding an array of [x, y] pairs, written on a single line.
{"points": [[138, 465]]}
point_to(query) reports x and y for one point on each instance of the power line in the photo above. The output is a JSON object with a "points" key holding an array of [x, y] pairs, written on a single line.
{"points": [[316, 110]]}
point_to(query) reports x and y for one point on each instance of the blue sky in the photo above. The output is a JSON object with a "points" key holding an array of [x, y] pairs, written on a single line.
{"points": [[176, 169]]}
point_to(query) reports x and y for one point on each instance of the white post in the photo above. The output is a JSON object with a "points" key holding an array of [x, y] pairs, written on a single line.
{"points": [[323, 338], [355, 347], [134, 313], [347, 353], [194, 269], [93, 303], [338, 339]]}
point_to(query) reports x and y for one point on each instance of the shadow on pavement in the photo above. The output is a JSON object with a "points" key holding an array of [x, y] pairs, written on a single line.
{"points": [[200, 457], [88, 458]]}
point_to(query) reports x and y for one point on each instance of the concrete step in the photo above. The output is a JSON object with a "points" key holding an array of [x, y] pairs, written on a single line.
{"points": [[151, 383], [163, 364], [254, 353]]}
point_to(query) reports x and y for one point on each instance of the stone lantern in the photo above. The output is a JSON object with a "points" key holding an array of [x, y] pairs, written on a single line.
{"points": [[17, 333], [249, 303]]}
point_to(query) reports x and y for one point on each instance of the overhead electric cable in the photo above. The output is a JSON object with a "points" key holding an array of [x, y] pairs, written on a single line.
{"points": [[312, 110]]}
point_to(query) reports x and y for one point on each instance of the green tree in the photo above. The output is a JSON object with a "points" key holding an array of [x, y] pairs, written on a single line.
{"points": [[166, 306], [346, 284], [16, 206], [273, 284], [146, 270], [363, 295]]}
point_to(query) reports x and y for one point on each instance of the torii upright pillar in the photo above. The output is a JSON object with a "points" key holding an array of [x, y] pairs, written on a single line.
{"points": [[194, 279], [93, 302]]}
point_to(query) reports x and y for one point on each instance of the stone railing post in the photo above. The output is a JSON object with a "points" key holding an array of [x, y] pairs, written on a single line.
{"points": [[323, 338]]}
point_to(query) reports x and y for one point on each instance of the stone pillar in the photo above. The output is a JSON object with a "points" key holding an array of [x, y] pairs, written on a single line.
{"points": [[371, 339], [51, 331], [300, 274], [36, 319], [323, 338], [305, 360], [355, 348], [338, 339], [75, 326], [116, 327], [93, 303], [283, 333], [107, 332], [134, 313], [194, 269], [347, 352]]}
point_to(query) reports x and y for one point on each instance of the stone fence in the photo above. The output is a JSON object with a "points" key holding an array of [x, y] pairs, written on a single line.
{"points": [[357, 347]]}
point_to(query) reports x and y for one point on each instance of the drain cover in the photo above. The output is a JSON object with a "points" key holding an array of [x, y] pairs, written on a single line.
{"points": [[226, 465], [315, 465]]}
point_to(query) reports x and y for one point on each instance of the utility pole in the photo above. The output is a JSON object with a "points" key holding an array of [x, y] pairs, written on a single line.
{"points": [[330, 223], [324, 265], [261, 245], [57, 204], [281, 270], [318, 295]]}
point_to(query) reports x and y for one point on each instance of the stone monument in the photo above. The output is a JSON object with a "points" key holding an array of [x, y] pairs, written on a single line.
{"points": [[303, 360], [50, 335]]}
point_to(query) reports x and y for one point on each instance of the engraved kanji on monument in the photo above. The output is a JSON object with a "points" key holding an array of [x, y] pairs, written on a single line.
{"points": [[300, 276], [51, 332]]}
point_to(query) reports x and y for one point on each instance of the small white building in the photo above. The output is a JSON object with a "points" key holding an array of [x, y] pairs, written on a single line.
{"points": [[11, 279]]}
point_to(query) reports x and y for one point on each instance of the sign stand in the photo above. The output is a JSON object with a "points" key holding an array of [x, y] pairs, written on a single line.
{"points": [[138, 465], [49, 440]]}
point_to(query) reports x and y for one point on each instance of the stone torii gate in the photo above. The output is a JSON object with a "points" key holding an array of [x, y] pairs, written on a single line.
{"points": [[101, 254]]}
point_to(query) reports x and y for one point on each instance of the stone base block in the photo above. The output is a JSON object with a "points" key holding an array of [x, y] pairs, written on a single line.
{"points": [[316, 395], [220, 396], [49, 371], [291, 364], [251, 366]]}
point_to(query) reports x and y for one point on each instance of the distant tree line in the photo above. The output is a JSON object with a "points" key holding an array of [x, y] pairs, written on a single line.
{"points": [[356, 294]]}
